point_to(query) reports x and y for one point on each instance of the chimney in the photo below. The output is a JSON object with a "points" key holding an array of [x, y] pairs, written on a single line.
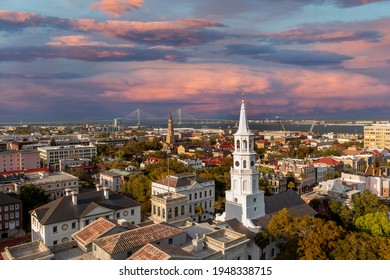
{"points": [[197, 244], [74, 198], [106, 193]]}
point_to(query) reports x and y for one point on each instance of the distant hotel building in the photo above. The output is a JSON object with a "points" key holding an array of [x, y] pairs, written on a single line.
{"points": [[18, 160], [52, 154], [377, 136]]}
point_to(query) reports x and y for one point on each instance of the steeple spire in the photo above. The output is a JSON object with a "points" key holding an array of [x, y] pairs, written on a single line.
{"points": [[243, 128]]}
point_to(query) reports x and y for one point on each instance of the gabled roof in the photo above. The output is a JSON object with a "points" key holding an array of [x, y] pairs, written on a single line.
{"points": [[136, 238], [161, 252], [62, 209]]}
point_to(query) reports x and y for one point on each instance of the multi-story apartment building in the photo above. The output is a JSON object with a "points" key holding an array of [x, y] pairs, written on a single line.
{"points": [[11, 215], [377, 136], [52, 154], [18, 160], [199, 192], [55, 222]]}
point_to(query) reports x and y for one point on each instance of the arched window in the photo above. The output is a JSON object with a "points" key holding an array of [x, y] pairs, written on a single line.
{"points": [[182, 210], [158, 212], [163, 213], [169, 213], [245, 145], [154, 209], [244, 185], [244, 163], [176, 211], [238, 145]]}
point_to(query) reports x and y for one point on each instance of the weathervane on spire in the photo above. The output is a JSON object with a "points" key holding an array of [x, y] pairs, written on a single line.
{"points": [[243, 97]]}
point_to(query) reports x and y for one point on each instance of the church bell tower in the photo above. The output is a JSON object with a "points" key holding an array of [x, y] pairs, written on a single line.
{"points": [[244, 201]]}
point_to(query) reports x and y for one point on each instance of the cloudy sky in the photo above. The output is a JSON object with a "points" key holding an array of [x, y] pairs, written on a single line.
{"points": [[100, 59]]}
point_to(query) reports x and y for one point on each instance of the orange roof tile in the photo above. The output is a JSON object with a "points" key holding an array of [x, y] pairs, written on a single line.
{"points": [[136, 238]]}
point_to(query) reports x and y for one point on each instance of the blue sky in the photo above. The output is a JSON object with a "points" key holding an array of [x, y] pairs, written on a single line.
{"points": [[102, 59]]}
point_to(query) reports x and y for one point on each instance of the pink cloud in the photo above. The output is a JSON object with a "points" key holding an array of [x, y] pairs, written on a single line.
{"points": [[18, 17], [179, 32], [367, 42], [206, 82], [82, 40], [117, 8], [220, 85], [330, 84]]}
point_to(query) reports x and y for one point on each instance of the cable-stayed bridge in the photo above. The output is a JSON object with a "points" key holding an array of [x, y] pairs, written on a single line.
{"points": [[140, 117]]}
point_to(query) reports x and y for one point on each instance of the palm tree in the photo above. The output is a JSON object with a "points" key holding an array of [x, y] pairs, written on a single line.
{"points": [[262, 240]]}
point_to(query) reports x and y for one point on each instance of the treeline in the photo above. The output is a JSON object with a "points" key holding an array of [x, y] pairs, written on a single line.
{"points": [[360, 231]]}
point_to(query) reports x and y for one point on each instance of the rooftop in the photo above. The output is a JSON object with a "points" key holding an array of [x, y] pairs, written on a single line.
{"points": [[161, 252], [28, 251], [136, 238], [63, 209], [182, 180]]}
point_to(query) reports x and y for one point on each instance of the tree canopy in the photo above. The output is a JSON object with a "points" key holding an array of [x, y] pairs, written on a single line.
{"points": [[32, 197], [316, 239]]}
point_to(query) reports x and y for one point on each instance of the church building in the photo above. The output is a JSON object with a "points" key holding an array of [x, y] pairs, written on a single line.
{"points": [[244, 201]]}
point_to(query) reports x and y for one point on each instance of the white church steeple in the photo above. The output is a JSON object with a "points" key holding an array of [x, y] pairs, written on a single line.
{"points": [[244, 201], [243, 128]]}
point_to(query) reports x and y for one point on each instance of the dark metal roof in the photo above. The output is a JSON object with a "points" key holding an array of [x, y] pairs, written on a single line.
{"points": [[181, 180], [277, 202], [237, 226], [6, 199], [289, 200], [62, 209]]}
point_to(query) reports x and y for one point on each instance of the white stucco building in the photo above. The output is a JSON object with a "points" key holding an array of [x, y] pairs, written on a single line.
{"points": [[198, 191], [55, 222]]}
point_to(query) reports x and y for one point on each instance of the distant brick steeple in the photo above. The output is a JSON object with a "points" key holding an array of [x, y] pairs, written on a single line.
{"points": [[170, 140]]}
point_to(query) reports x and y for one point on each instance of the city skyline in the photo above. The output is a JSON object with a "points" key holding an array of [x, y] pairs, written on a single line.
{"points": [[103, 59]]}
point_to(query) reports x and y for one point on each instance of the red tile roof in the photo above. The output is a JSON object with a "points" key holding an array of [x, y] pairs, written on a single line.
{"points": [[136, 238], [25, 171], [329, 161], [93, 231]]}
